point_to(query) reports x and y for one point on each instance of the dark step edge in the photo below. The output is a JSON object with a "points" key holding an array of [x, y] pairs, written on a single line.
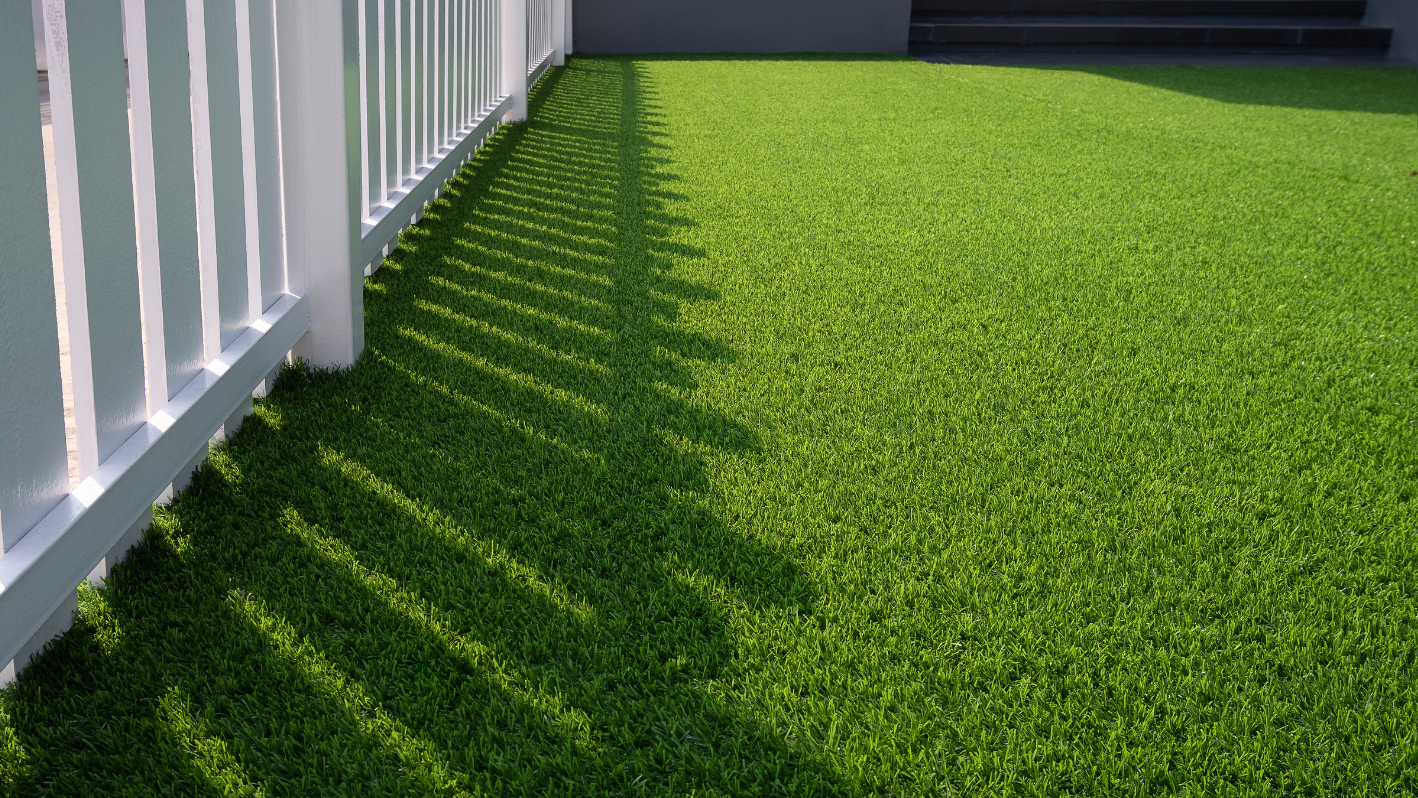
{"points": [[1186, 22], [1375, 38], [1036, 50], [1348, 9]]}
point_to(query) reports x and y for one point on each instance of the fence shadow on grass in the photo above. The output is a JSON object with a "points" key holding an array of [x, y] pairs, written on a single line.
{"points": [[1391, 90], [485, 559]]}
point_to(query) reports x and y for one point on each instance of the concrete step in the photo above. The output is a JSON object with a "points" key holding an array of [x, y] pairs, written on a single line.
{"points": [[1204, 34], [927, 18], [1337, 9]]}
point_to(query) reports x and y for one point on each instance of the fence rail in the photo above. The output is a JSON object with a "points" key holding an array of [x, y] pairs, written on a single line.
{"points": [[199, 236]]}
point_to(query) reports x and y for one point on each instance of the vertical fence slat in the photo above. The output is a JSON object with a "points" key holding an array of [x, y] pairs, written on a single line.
{"points": [[470, 65], [440, 52], [487, 41], [460, 65], [166, 194], [221, 177], [480, 43], [247, 109], [435, 81], [480, 70], [499, 58], [450, 63], [364, 109], [390, 21], [534, 32], [465, 93], [484, 53], [566, 40], [455, 75], [145, 203], [459, 68], [417, 130], [470, 52], [475, 57], [430, 85], [369, 87], [406, 89], [440, 78], [480, 53], [89, 106], [379, 187], [34, 469], [492, 35], [420, 104], [378, 39], [265, 94], [202, 179], [454, 78], [496, 22]]}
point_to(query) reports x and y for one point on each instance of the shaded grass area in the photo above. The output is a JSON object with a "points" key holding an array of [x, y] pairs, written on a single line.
{"points": [[817, 426]]}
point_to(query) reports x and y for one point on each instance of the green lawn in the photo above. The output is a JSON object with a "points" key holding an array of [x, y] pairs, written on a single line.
{"points": [[818, 426]]}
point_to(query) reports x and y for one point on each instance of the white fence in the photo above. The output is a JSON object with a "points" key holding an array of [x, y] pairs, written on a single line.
{"points": [[540, 33], [193, 236]]}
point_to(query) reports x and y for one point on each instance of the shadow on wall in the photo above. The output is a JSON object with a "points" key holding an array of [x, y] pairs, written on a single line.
{"points": [[1395, 89], [486, 559]]}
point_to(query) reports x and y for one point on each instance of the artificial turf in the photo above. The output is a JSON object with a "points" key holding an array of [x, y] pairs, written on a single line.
{"points": [[818, 426]]}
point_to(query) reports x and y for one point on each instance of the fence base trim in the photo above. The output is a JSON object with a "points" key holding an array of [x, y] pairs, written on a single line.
{"points": [[534, 75], [43, 569]]}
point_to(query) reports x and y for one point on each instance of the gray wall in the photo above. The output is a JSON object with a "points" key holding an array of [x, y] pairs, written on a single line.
{"points": [[741, 26], [1402, 16]]}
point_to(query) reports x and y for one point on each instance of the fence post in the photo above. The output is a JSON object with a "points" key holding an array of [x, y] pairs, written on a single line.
{"points": [[317, 44], [558, 31], [514, 58], [566, 24]]}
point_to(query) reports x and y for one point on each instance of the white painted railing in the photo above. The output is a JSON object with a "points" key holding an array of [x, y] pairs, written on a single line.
{"points": [[195, 235], [539, 33], [429, 73]]}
